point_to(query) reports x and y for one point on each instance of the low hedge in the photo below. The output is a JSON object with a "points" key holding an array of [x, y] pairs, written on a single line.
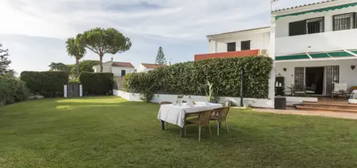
{"points": [[48, 83], [191, 78], [12, 90], [97, 83]]}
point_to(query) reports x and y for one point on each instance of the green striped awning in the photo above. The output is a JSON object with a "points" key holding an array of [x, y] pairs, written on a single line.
{"points": [[317, 55], [319, 10]]}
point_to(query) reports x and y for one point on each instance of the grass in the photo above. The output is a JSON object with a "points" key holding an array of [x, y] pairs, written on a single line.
{"points": [[109, 132]]}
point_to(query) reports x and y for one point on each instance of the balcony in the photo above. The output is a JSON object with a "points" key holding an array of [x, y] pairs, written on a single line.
{"points": [[319, 42], [246, 53]]}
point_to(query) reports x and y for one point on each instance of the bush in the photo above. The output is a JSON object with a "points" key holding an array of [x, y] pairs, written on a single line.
{"points": [[12, 90], [48, 84], [192, 77], [97, 83]]}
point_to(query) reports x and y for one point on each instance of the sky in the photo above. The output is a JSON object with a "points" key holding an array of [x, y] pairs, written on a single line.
{"points": [[35, 31]]}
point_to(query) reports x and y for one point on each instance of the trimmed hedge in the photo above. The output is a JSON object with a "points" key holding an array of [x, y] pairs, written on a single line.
{"points": [[12, 90], [97, 83], [48, 83], [191, 78]]}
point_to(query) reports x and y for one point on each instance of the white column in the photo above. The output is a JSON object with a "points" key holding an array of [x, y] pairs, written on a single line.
{"points": [[65, 91], [80, 91], [271, 52]]}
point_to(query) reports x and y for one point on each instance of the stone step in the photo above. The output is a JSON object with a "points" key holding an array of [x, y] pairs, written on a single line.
{"points": [[325, 108], [331, 105]]}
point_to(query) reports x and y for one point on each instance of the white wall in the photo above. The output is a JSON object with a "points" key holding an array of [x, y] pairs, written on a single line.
{"points": [[326, 41], [113, 69], [117, 70], [142, 68], [106, 67], [259, 39], [347, 75], [252, 102]]}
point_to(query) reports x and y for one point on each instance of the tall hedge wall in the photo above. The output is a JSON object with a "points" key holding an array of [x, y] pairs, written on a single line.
{"points": [[48, 83], [97, 83], [12, 90], [192, 77]]}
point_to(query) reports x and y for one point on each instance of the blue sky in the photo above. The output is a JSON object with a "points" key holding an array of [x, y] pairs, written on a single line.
{"points": [[35, 31]]}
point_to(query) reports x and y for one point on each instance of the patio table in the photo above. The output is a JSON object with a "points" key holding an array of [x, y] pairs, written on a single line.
{"points": [[175, 113]]}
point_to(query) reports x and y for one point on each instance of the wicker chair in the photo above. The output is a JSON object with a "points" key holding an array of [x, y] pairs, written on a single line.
{"points": [[201, 121], [220, 115]]}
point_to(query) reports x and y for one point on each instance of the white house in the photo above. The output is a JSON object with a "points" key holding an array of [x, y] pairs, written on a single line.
{"points": [[144, 67], [251, 42], [119, 69], [243, 43], [316, 46], [313, 47]]}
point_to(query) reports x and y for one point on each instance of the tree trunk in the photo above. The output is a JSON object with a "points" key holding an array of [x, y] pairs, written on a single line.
{"points": [[77, 64], [101, 62]]}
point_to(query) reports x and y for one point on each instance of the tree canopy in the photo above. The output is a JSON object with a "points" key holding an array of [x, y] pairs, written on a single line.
{"points": [[58, 67], [84, 66], [75, 48], [4, 60], [105, 41], [160, 57]]}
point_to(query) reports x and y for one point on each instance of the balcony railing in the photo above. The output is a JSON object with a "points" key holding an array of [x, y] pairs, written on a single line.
{"points": [[319, 42], [246, 53]]}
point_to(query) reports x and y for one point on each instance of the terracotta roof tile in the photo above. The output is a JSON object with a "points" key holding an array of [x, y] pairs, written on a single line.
{"points": [[123, 64], [299, 4]]}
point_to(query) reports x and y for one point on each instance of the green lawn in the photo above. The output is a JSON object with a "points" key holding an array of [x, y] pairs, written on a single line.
{"points": [[109, 132]]}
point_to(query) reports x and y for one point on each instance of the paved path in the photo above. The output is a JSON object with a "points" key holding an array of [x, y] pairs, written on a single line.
{"points": [[342, 115]]}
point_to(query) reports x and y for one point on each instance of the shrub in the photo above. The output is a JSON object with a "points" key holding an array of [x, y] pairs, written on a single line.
{"points": [[192, 77], [12, 90], [48, 84], [97, 83]]}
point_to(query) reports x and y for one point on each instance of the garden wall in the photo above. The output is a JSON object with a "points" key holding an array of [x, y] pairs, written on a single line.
{"points": [[157, 98]]}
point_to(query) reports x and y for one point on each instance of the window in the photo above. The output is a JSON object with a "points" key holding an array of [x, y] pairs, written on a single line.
{"points": [[231, 46], [315, 25], [343, 22], [245, 45], [123, 72], [309, 26], [297, 28]]}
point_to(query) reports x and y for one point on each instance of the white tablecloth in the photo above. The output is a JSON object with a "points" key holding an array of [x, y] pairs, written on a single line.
{"points": [[175, 114]]}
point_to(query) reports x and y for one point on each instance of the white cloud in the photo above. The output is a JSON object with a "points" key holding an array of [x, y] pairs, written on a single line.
{"points": [[179, 25]]}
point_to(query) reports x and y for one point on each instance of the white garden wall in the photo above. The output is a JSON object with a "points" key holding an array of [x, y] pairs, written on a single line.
{"points": [[127, 96], [251, 102]]}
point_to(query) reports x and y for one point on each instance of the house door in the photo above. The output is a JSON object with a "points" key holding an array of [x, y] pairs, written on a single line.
{"points": [[314, 80], [332, 75], [299, 81]]}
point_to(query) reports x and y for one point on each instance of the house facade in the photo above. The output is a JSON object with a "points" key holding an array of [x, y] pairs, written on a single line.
{"points": [[251, 42], [145, 67], [314, 46], [119, 69]]}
